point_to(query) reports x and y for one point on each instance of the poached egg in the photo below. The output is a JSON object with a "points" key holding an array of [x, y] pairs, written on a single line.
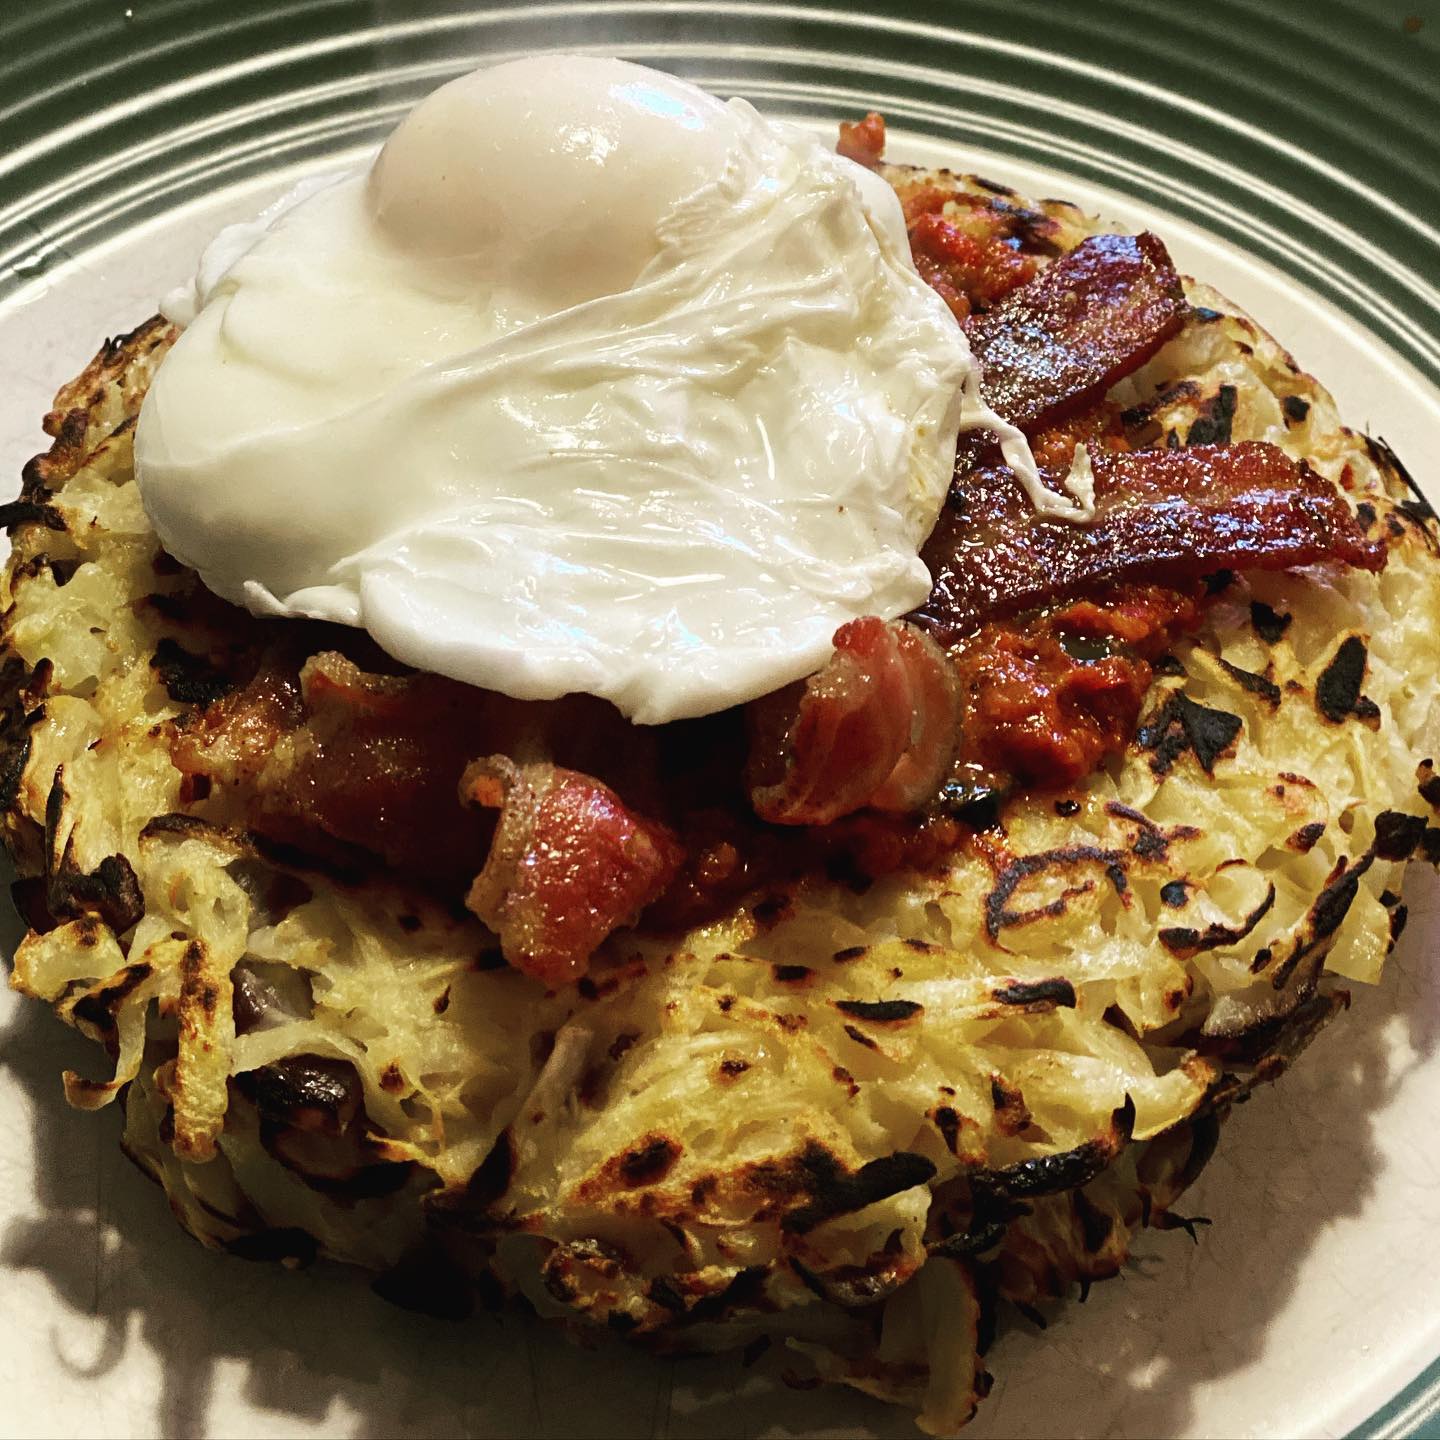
{"points": [[588, 383]]}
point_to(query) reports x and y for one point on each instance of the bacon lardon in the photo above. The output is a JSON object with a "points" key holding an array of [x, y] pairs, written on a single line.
{"points": [[1165, 516], [876, 728], [337, 762], [568, 865], [863, 141], [1056, 344]]}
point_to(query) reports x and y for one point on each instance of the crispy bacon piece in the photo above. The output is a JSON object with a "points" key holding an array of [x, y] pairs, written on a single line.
{"points": [[876, 727], [336, 761], [339, 761], [1167, 516], [568, 865], [376, 763], [1090, 318], [863, 141], [232, 738]]}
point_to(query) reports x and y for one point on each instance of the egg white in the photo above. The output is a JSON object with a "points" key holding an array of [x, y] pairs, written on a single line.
{"points": [[590, 383]]}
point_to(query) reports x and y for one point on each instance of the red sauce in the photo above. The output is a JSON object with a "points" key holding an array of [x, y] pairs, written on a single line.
{"points": [[1046, 700], [967, 271]]}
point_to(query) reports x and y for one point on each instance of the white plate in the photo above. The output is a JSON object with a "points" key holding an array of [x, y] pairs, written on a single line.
{"points": [[1309, 1303]]}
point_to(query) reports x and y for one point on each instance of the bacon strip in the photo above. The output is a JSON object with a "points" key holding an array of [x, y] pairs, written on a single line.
{"points": [[568, 864], [1167, 516], [1090, 318], [877, 728]]}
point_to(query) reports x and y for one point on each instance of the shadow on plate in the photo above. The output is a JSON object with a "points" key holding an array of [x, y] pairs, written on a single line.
{"points": [[226, 1347]]}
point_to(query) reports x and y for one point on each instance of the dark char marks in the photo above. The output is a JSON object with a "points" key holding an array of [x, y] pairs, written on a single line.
{"points": [[1337, 692], [835, 1193], [1259, 685], [882, 1012], [1215, 425], [1047, 993], [1183, 725], [1269, 624]]}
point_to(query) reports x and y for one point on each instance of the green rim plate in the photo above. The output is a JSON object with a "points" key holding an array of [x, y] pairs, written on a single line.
{"points": [[1303, 134]]}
